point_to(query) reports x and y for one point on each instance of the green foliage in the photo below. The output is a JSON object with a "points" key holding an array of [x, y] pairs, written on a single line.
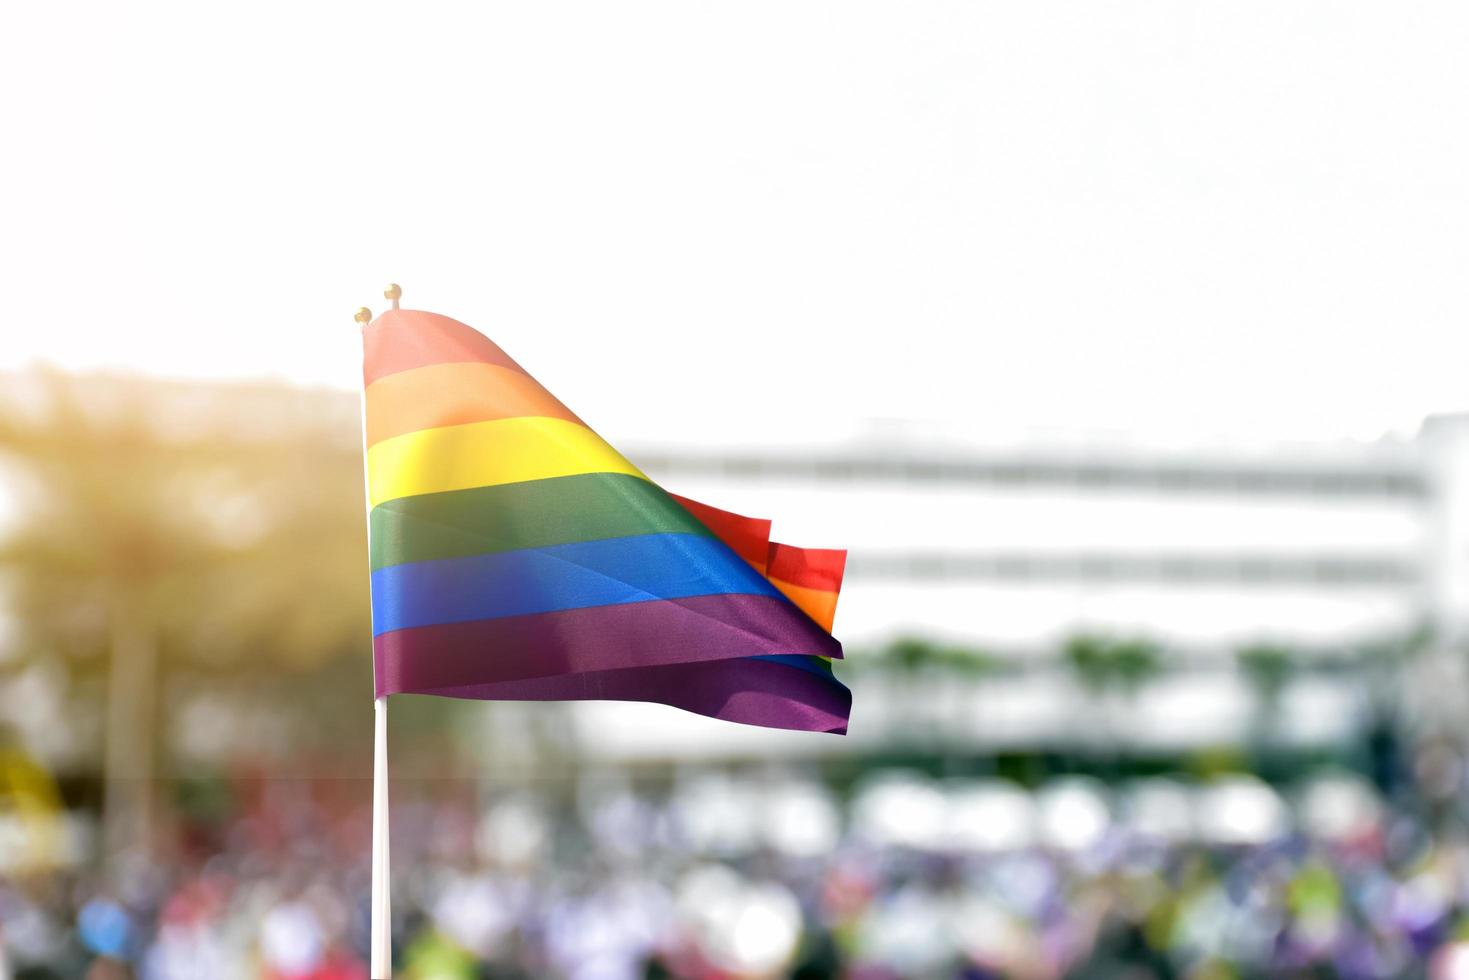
{"points": [[1135, 662], [1104, 664], [910, 654], [1215, 761], [1268, 667]]}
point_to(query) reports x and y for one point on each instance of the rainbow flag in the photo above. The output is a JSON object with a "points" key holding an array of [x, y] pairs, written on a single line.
{"points": [[516, 555]]}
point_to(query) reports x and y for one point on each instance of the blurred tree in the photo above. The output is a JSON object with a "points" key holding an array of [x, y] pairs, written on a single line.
{"points": [[909, 653], [1134, 664], [922, 674], [1111, 670], [1104, 665], [1087, 657], [1268, 668], [167, 523]]}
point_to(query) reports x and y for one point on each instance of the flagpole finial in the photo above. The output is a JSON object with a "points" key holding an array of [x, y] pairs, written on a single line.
{"points": [[363, 315], [394, 292]]}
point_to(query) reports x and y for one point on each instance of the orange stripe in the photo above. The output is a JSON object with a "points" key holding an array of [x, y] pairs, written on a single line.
{"points": [[401, 340], [453, 394], [819, 605], [811, 568]]}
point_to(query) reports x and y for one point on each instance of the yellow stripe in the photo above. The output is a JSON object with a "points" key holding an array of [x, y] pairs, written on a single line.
{"points": [[820, 606], [482, 454]]}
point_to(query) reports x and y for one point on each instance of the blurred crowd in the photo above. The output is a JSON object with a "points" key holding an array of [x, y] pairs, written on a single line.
{"points": [[752, 873]]}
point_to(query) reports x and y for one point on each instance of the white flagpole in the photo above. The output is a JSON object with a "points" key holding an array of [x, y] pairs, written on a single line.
{"points": [[382, 931], [382, 926]]}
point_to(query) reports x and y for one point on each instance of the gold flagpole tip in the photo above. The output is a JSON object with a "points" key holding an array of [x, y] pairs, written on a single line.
{"points": [[363, 315], [394, 292]]}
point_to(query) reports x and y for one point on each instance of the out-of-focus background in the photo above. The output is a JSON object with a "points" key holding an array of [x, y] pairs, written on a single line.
{"points": [[1123, 346]]}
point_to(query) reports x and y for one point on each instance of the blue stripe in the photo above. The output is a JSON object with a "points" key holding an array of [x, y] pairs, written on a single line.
{"points": [[812, 665], [609, 572]]}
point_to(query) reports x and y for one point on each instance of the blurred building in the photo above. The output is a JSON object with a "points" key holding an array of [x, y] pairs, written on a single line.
{"points": [[1338, 557], [1346, 566]]}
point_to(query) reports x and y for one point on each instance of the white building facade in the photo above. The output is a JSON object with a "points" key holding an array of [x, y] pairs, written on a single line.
{"points": [[1336, 554]]}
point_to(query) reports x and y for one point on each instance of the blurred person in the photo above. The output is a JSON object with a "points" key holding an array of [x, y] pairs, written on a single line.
{"points": [[297, 942], [107, 968], [608, 931]]}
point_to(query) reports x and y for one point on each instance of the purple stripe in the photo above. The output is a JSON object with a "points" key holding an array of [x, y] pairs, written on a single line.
{"points": [[573, 641], [752, 692]]}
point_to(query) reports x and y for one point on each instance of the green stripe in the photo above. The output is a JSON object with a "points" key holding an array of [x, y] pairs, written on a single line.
{"points": [[512, 516]]}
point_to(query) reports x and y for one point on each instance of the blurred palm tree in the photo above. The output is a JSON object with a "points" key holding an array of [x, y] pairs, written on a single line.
{"points": [[1269, 669], [930, 682], [1111, 672], [157, 523]]}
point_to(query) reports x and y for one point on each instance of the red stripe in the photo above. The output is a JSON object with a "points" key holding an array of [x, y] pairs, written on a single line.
{"points": [[748, 537], [810, 568], [401, 340]]}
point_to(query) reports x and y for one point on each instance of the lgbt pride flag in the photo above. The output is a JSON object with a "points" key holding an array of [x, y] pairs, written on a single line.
{"points": [[517, 556]]}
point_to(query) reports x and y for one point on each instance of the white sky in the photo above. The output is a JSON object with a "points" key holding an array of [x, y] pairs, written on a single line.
{"points": [[1248, 219]]}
